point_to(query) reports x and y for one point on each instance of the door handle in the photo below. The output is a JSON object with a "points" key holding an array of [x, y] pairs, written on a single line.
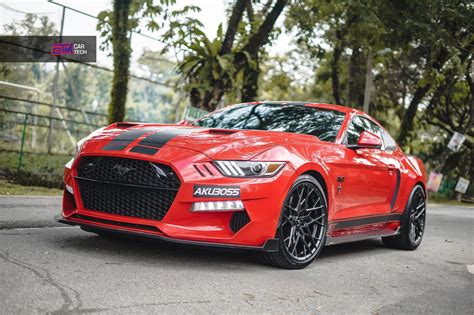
{"points": [[391, 167]]}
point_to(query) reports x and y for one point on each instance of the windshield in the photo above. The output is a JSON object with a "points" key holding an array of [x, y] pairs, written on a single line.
{"points": [[324, 124]]}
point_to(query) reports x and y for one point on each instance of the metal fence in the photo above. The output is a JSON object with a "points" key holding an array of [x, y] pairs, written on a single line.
{"points": [[30, 124]]}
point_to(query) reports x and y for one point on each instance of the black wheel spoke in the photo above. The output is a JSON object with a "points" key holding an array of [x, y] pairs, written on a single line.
{"points": [[303, 221], [417, 217], [420, 212], [306, 246], [316, 220]]}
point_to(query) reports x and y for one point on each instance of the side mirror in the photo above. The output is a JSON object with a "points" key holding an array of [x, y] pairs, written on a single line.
{"points": [[367, 140]]}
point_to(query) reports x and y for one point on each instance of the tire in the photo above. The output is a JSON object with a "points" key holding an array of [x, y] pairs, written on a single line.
{"points": [[412, 227], [302, 229]]}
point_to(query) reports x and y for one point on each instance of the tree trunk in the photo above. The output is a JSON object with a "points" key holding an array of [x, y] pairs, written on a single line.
{"points": [[355, 95], [336, 56], [234, 20], [407, 122], [368, 82], [212, 97], [261, 36], [121, 57], [195, 97], [255, 43], [250, 86]]}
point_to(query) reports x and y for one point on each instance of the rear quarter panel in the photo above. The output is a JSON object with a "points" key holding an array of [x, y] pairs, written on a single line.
{"points": [[412, 173]]}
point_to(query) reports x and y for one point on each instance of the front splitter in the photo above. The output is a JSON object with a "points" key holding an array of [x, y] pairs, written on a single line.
{"points": [[270, 245]]}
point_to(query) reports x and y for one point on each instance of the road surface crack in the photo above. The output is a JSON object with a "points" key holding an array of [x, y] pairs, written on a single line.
{"points": [[46, 276]]}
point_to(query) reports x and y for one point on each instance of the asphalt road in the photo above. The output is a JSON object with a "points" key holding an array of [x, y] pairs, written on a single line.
{"points": [[48, 268]]}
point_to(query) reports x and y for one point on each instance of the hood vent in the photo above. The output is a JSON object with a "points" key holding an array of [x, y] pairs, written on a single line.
{"points": [[222, 131], [126, 125]]}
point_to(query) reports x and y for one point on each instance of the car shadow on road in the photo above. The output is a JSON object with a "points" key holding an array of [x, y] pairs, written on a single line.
{"points": [[349, 250], [122, 250]]}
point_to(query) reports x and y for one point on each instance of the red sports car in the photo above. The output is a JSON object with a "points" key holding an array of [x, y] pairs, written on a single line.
{"points": [[281, 178]]}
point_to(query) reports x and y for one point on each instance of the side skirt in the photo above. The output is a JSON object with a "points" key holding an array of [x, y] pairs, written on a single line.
{"points": [[330, 240]]}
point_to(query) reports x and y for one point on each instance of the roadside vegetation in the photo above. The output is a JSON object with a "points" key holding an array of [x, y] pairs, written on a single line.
{"points": [[8, 188], [410, 62], [38, 169]]}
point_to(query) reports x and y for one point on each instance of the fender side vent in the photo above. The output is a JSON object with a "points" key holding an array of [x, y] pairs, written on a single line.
{"points": [[239, 220]]}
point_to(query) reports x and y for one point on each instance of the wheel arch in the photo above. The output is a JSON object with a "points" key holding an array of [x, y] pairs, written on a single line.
{"points": [[410, 192], [317, 175], [422, 186]]}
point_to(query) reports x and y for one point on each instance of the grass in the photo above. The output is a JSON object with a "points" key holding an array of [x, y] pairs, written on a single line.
{"points": [[34, 162], [8, 188]]}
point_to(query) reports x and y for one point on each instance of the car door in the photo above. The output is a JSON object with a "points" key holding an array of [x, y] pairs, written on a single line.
{"points": [[370, 175]]}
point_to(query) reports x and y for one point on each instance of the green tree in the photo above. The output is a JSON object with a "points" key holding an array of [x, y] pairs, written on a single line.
{"points": [[433, 32], [121, 55], [411, 42], [213, 67], [116, 27], [341, 35]]}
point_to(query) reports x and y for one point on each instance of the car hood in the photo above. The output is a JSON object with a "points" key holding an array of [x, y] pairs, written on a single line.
{"points": [[214, 143]]}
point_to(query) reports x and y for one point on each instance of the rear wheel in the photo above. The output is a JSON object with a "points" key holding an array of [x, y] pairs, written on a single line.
{"points": [[413, 222], [303, 223]]}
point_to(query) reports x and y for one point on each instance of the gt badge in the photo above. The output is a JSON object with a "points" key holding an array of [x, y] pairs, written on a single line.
{"points": [[208, 191]]}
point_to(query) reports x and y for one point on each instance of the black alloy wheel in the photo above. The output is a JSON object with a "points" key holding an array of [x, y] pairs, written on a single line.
{"points": [[417, 217], [303, 225], [413, 222]]}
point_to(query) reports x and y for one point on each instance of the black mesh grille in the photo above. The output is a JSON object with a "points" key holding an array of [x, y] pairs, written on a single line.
{"points": [[129, 171], [239, 220], [127, 187]]}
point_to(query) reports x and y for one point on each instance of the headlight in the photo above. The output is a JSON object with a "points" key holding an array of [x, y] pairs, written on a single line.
{"points": [[249, 169]]}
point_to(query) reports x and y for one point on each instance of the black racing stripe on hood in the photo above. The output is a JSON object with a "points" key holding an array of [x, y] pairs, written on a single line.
{"points": [[144, 150], [124, 139], [160, 138]]}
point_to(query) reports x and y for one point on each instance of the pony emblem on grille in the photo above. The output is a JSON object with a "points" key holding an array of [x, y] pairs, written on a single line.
{"points": [[122, 170]]}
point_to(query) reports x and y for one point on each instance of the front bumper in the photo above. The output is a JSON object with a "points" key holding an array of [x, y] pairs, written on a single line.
{"points": [[270, 245], [262, 198]]}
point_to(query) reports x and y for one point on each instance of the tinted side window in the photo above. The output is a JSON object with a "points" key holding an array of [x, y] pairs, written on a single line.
{"points": [[357, 125], [390, 144]]}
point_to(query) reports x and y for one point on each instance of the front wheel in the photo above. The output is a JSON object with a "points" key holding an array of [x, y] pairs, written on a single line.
{"points": [[412, 226], [302, 228]]}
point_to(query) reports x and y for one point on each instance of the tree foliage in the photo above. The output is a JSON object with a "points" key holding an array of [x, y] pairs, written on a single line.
{"points": [[422, 65], [229, 62], [116, 27]]}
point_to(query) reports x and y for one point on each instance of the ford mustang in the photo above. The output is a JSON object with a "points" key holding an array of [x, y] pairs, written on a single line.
{"points": [[283, 179]]}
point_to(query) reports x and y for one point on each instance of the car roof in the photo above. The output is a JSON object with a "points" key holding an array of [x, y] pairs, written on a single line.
{"points": [[340, 108]]}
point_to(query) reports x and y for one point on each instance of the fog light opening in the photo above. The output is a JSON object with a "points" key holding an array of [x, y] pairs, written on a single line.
{"points": [[216, 206]]}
